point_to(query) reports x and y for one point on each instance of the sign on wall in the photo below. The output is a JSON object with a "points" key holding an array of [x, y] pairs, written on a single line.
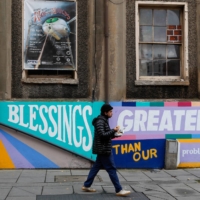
{"points": [[65, 124], [156, 122], [49, 35], [188, 153], [139, 153]]}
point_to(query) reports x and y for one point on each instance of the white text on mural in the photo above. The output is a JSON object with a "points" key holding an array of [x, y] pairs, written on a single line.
{"points": [[160, 120], [65, 123]]}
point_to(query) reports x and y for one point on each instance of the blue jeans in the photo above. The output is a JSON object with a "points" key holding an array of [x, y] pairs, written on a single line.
{"points": [[106, 162]]}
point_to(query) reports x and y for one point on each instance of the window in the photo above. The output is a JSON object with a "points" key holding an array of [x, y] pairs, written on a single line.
{"points": [[161, 45], [49, 42]]}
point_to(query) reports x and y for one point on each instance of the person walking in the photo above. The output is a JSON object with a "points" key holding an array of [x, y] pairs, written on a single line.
{"points": [[103, 148]]}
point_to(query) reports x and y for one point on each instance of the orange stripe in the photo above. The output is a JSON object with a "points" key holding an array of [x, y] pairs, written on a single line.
{"points": [[189, 140], [5, 160], [189, 164]]}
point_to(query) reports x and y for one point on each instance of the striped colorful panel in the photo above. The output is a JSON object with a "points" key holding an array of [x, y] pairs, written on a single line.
{"points": [[129, 104], [189, 140], [150, 136], [170, 104], [189, 164], [5, 161], [195, 104], [17, 158], [32, 156], [156, 104], [184, 104], [195, 135], [126, 137], [142, 104], [116, 103], [178, 136]]}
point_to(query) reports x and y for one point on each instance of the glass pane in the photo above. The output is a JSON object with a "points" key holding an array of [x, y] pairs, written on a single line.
{"points": [[160, 34], [159, 51], [146, 33], [145, 16], [173, 67], [173, 51], [145, 51], [145, 67], [160, 17], [173, 17], [159, 68]]}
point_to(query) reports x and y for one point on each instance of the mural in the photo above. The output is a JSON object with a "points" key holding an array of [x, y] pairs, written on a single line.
{"points": [[188, 153], [66, 124], [68, 127], [157, 120]]}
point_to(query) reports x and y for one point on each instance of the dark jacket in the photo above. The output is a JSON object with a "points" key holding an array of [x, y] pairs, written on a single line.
{"points": [[102, 136]]}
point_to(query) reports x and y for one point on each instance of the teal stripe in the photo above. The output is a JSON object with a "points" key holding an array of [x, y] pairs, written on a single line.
{"points": [[178, 136], [142, 104], [157, 104]]}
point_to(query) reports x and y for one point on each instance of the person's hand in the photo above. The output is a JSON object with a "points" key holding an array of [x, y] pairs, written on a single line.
{"points": [[117, 128]]}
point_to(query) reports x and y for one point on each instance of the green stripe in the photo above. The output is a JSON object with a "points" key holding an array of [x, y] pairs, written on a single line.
{"points": [[178, 136], [157, 104]]}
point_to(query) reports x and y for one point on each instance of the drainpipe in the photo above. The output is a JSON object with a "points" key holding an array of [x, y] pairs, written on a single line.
{"points": [[106, 33]]}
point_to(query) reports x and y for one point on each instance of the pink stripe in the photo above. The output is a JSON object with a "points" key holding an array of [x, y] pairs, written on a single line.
{"points": [[126, 137], [17, 158], [171, 104], [150, 136]]}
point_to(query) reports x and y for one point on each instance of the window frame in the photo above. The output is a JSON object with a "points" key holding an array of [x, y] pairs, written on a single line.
{"points": [[183, 79], [69, 78]]}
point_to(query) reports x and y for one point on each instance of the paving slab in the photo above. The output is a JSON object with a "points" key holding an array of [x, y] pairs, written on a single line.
{"points": [[52, 173], [25, 191], [37, 179], [4, 191], [176, 172], [10, 173], [137, 178], [190, 198], [195, 186], [33, 173], [8, 180], [140, 187], [181, 191], [194, 172], [79, 172], [186, 177], [169, 179], [157, 174], [21, 198], [158, 195], [133, 196], [52, 190]]}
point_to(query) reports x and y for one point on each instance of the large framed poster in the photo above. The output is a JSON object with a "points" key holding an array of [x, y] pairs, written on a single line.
{"points": [[49, 35]]}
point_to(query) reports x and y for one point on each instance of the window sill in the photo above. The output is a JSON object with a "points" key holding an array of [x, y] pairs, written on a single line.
{"points": [[50, 81], [162, 82]]}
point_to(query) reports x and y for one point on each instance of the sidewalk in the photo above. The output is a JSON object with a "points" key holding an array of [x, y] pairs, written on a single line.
{"points": [[144, 184]]}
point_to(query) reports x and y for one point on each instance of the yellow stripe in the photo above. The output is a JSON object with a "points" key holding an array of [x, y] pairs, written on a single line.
{"points": [[189, 140], [5, 161], [189, 164]]}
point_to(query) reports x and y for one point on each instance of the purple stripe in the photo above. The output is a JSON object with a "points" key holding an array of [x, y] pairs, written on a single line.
{"points": [[17, 158]]}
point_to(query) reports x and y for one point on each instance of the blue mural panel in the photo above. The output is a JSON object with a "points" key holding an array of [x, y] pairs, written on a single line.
{"points": [[141, 154]]}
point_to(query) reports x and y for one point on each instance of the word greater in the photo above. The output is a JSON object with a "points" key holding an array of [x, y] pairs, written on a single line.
{"points": [[159, 120]]}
